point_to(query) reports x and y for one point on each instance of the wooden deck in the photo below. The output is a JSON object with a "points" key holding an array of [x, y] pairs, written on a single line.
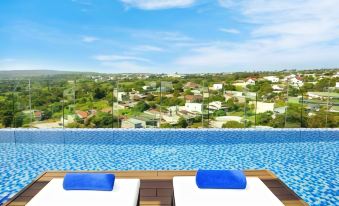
{"points": [[156, 187]]}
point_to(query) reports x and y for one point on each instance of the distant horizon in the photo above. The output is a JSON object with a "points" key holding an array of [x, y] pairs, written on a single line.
{"points": [[161, 36], [168, 73]]}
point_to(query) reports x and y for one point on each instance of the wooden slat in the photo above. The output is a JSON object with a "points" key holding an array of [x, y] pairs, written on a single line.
{"points": [[156, 187]]}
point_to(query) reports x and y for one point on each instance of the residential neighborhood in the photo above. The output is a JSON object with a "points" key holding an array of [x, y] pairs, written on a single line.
{"points": [[227, 100]]}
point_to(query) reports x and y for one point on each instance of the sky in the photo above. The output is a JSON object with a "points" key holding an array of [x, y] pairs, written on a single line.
{"points": [[168, 36]]}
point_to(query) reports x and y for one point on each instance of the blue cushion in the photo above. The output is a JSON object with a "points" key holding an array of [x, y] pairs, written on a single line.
{"points": [[89, 181], [221, 179]]}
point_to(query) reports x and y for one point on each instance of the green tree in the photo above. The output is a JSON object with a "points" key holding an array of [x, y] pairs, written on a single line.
{"points": [[141, 106], [182, 123], [264, 118], [233, 124]]}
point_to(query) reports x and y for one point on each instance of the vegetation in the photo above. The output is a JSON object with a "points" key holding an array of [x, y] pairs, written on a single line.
{"points": [[53, 97]]}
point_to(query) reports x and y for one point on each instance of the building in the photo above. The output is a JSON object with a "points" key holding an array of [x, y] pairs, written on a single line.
{"points": [[193, 98], [132, 123], [272, 79], [193, 107], [276, 87], [191, 85], [217, 86], [67, 120], [216, 105], [250, 81], [81, 114], [296, 82], [337, 85], [36, 114], [263, 106], [121, 96], [280, 110]]}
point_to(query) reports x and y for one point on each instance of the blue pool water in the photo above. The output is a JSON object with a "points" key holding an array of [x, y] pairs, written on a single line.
{"points": [[306, 161]]}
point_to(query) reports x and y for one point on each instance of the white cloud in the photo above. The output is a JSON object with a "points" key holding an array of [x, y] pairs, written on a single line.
{"points": [[284, 34], [231, 31], [148, 48], [89, 39], [158, 4], [115, 58]]}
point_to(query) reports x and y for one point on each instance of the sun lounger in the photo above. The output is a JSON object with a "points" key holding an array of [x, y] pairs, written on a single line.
{"points": [[187, 193], [124, 193]]}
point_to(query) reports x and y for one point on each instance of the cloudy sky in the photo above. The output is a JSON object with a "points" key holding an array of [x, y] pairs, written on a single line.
{"points": [[184, 36]]}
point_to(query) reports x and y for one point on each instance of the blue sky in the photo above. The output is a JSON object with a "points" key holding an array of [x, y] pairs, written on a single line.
{"points": [[185, 36]]}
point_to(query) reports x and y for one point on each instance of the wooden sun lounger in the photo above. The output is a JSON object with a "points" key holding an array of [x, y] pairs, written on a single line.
{"points": [[156, 188]]}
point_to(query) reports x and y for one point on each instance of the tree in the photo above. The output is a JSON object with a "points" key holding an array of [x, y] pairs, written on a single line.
{"points": [[182, 123], [103, 120], [319, 121], [99, 93], [219, 113], [264, 118], [150, 97], [141, 106], [233, 124], [278, 121]]}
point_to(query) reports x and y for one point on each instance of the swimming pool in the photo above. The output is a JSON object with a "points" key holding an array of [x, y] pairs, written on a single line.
{"points": [[306, 160]]}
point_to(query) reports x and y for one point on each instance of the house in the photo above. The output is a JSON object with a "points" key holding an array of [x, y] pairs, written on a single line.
{"points": [[250, 81], [193, 107], [312, 95], [171, 119], [148, 121], [67, 120], [146, 88], [175, 75], [81, 114], [336, 75], [153, 112], [276, 87], [263, 106], [193, 98], [296, 82], [121, 96], [337, 85], [217, 86], [279, 110], [131, 123], [334, 109], [36, 114], [191, 85], [272, 79], [196, 92], [216, 105]]}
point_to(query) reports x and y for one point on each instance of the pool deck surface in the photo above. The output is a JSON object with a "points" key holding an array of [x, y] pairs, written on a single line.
{"points": [[156, 188]]}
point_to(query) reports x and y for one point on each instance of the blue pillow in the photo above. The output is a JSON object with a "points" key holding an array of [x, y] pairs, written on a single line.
{"points": [[221, 179], [89, 181]]}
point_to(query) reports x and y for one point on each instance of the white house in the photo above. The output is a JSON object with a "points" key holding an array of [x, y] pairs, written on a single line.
{"points": [[277, 88], [272, 79], [217, 86], [336, 75], [312, 95], [263, 106], [216, 105], [337, 85], [250, 81], [296, 82], [132, 123], [193, 107]]}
